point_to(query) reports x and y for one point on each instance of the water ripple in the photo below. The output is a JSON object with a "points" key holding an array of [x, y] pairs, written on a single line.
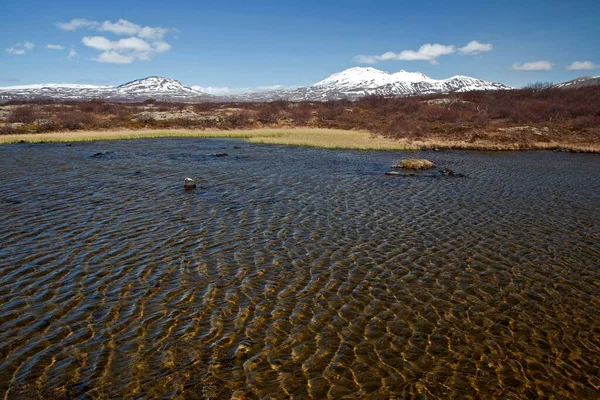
{"points": [[296, 273]]}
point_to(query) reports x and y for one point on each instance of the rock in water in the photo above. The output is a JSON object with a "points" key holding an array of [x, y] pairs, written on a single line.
{"points": [[101, 154], [415, 163], [449, 172], [404, 174], [189, 183]]}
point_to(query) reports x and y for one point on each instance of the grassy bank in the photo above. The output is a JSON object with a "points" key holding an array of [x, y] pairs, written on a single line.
{"points": [[311, 137]]}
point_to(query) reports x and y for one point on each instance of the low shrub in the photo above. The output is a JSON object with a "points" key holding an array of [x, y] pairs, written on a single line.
{"points": [[24, 114], [73, 120]]}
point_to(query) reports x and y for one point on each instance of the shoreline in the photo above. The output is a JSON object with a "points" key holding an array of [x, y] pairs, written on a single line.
{"points": [[307, 137]]}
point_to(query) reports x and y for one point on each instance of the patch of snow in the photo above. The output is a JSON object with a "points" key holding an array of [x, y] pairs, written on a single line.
{"points": [[53, 85]]}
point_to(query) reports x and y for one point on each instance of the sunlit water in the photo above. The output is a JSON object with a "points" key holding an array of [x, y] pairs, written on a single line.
{"points": [[296, 273]]}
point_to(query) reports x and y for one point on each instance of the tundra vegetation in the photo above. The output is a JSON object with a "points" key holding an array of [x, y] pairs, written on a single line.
{"points": [[530, 118]]}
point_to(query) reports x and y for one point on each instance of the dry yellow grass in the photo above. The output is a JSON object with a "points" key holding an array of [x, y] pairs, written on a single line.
{"points": [[310, 137]]}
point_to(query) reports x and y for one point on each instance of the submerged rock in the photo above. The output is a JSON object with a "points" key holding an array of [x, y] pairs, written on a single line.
{"points": [[396, 173], [415, 163], [449, 172], [101, 154], [11, 201], [189, 183]]}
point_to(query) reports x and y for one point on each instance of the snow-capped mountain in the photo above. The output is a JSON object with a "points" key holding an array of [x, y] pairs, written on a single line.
{"points": [[152, 87], [369, 78], [358, 82], [579, 82], [49, 86], [349, 84]]}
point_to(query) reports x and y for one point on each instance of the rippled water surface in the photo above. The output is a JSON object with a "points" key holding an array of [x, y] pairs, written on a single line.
{"points": [[296, 273]]}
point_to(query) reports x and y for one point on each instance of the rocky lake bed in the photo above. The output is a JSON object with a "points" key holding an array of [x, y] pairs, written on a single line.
{"points": [[295, 271]]}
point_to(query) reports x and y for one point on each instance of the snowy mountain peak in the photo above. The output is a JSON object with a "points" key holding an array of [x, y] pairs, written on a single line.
{"points": [[356, 82], [155, 84], [369, 78], [152, 87], [357, 77], [406, 76], [351, 83]]}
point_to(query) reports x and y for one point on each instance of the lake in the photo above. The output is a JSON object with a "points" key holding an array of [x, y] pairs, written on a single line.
{"points": [[296, 273]]}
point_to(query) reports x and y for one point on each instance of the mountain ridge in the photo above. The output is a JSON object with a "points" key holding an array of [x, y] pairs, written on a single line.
{"points": [[351, 83], [582, 81], [356, 82], [151, 87]]}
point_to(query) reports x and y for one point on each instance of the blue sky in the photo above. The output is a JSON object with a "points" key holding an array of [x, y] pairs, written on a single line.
{"points": [[250, 44]]}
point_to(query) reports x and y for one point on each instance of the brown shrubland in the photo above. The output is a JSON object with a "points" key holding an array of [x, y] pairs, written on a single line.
{"points": [[25, 114], [526, 118]]}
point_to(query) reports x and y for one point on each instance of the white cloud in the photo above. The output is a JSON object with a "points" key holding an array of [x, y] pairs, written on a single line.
{"points": [[20, 48], [532, 66], [121, 27], [97, 42], [161, 46], [76, 24], [124, 51], [428, 52], [54, 47], [72, 54], [272, 87], [142, 44], [366, 59], [582, 65], [227, 91], [15, 51], [124, 27], [474, 47], [152, 33], [102, 43], [114, 58], [219, 90]]}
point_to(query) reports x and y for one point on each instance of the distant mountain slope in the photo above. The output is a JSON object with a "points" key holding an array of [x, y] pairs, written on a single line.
{"points": [[156, 85], [579, 82], [358, 82], [351, 83], [152, 87]]}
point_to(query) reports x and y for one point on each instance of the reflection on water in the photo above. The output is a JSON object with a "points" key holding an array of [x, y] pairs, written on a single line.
{"points": [[294, 272]]}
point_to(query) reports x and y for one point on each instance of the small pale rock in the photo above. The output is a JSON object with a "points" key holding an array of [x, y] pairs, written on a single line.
{"points": [[415, 163], [189, 183]]}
